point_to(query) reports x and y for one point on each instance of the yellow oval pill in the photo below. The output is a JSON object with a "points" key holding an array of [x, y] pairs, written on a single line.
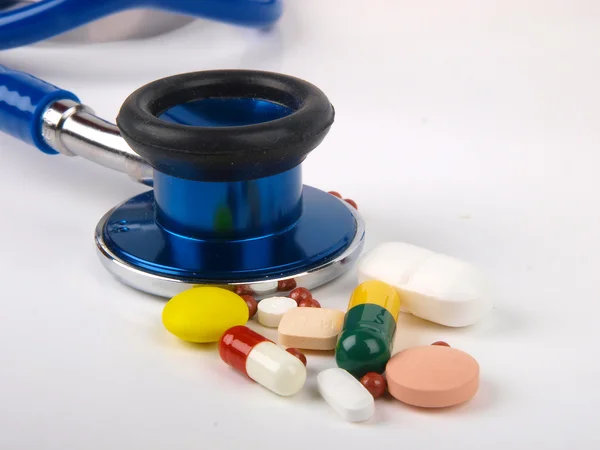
{"points": [[203, 314]]}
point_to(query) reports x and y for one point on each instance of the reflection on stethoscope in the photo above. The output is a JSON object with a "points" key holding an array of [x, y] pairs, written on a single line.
{"points": [[223, 152]]}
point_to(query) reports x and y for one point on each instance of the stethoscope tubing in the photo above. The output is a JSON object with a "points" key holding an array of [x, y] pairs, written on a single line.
{"points": [[48, 18], [52, 120]]}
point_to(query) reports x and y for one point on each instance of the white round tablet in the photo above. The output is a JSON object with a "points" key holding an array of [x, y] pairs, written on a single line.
{"points": [[266, 288], [271, 310]]}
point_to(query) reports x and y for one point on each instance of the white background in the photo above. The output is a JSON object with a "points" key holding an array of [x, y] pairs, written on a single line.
{"points": [[468, 127]]}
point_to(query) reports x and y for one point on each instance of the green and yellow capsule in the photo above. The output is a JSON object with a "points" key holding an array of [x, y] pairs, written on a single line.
{"points": [[365, 343]]}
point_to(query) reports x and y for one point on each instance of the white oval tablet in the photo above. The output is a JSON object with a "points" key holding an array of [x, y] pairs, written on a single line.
{"points": [[271, 310], [432, 286], [346, 395]]}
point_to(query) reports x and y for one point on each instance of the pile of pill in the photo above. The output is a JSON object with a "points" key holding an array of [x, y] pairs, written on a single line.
{"points": [[393, 277]]}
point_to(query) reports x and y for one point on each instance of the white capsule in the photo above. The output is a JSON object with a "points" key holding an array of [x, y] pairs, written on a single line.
{"points": [[346, 395], [274, 368], [432, 286], [271, 310]]}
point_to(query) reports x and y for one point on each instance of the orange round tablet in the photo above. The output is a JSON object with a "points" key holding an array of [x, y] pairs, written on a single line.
{"points": [[433, 376]]}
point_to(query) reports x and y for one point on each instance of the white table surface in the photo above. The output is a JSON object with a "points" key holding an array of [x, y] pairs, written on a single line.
{"points": [[468, 127]]}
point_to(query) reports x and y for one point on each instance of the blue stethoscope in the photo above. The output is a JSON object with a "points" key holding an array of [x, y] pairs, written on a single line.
{"points": [[44, 19], [222, 151]]}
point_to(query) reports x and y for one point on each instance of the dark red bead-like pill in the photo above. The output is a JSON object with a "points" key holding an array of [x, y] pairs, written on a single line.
{"points": [[442, 343], [351, 203], [300, 294], [309, 303], [286, 285], [243, 289], [298, 354], [252, 305], [375, 384]]}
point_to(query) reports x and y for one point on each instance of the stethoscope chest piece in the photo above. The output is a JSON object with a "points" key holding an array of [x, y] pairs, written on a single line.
{"points": [[228, 205]]}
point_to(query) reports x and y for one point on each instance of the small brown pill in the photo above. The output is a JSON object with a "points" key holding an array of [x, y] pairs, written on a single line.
{"points": [[252, 305], [375, 384], [286, 285], [243, 289], [351, 203], [298, 354], [300, 294], [309, 303]]}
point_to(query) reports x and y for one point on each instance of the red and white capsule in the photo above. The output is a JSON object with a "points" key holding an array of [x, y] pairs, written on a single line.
{"points": [[262, 361]]}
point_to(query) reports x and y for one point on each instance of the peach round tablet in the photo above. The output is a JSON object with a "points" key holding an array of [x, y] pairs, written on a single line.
{"points": [[433, 376]]}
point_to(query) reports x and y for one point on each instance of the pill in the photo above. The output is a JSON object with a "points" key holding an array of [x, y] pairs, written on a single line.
{"points": [[351, 203], [286, 285], [432, 286], [243, 289], [262, 361], [346, 395], [335, 194], [445, 344], [300, 294], [202, 314], [252, 305], [433, 376], [265, 288], [375, 384], [309, 303], [298, 354], [271, 310], [310, 328], [365, 343]]}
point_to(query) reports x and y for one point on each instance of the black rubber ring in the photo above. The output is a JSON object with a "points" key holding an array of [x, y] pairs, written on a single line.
{"points": [[225, 153]]}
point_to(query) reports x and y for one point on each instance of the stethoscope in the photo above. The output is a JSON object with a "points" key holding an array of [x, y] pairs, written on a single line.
{"points": [[223, 152], [43, 19]]}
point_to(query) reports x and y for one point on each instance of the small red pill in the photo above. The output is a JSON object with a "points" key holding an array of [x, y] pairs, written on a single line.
{"points": [[252, 305], [243, 289], [335, 194], [298, 354], [442, 343], [309, 303], [286, 285], [300, 294], [375, 384], [351, 203]]}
